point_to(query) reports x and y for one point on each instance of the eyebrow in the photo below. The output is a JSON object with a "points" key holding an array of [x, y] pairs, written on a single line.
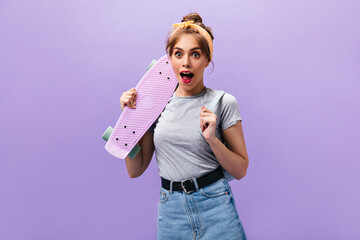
{"points": [[195, 48]]}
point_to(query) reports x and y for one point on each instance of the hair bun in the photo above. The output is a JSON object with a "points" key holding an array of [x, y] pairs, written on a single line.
{"points": [[197, 20], [193, 17]]}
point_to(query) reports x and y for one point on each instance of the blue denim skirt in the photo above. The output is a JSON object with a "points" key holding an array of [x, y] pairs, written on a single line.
{"points": [[209, 213]]}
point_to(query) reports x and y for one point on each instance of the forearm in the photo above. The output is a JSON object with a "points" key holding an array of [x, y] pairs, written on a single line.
{"points": [[233, 163], [134, 166], [137, 166]]}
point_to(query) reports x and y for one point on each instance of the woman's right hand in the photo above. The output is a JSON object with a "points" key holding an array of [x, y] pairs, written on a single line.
{"points": [[128, 98]]}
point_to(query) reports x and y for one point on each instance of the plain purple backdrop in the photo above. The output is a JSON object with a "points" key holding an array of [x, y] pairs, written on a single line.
{"points": [[294, 67]]}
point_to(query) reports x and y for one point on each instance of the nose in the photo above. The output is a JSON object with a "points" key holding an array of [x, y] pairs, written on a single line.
{"points": [[186, 61]]}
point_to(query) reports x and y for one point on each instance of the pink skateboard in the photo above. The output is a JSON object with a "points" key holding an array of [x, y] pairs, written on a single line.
{"points": [[153, 93]]}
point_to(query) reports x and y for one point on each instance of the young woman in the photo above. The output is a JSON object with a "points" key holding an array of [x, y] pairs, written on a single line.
{"points": [[196, 201]]}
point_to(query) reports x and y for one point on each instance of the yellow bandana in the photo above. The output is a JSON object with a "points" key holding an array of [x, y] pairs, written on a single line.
{"points": [[200, 29]]}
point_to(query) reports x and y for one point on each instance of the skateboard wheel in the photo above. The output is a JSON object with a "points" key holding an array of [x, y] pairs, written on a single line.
{"points": [[132, 154], [151, 64], [107, 133]]}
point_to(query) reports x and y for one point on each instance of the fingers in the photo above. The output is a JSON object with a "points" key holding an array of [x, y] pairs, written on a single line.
{"points": [[207, 121], [202, 126], [206, 113], [128, 98], [204, 123], [207, 118], [205, 110]]}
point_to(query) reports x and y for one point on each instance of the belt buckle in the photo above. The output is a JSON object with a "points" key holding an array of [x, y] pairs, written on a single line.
{"points": [[184, 187]]}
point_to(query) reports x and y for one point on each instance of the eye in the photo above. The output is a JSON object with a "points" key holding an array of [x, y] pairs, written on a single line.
{"points": [[178, 54], [196, 54]]}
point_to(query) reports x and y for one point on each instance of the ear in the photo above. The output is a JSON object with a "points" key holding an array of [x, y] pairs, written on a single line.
{"points": [[207, 64]]}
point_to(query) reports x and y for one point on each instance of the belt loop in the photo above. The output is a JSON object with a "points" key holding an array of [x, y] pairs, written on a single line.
{"points": [[196, 184], [171, 187]]}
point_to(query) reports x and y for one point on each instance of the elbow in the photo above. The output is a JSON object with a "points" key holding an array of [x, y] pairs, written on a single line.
{"points": [[240, 175], [134, 174]]}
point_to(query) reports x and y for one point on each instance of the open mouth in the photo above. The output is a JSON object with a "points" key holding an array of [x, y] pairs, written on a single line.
{"points": [[186, 76]]}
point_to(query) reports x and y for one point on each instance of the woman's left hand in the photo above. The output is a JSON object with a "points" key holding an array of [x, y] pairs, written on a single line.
{"points": [[208, 124]]}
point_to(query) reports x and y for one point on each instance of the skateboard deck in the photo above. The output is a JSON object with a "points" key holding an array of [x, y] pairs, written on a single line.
{"points": [[153, 93]]}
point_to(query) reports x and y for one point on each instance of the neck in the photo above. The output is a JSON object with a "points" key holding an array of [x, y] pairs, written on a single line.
{"points": [[182, 92]]}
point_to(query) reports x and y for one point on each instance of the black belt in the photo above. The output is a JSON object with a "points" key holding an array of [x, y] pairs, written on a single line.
{"points": [[188, 186]]}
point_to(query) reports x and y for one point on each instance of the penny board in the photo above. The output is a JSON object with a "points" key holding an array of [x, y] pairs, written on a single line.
{"points": [[153, 93]]}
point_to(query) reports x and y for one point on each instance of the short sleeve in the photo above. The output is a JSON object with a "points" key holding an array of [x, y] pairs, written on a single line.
{"points": [[152, 128], [230, 113]]}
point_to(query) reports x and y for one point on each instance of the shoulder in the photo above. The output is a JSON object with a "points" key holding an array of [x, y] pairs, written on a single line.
{"points": [[229, 105], [228, 99]]}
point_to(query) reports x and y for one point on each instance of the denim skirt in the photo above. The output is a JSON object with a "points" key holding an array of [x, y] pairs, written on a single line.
{"points": [[209, 213]]}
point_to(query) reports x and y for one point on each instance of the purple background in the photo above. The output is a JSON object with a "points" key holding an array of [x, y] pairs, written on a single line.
{"points": [[292, 65]]}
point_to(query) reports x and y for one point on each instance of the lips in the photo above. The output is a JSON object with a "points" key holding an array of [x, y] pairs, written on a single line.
{"points": [[186, 76]]}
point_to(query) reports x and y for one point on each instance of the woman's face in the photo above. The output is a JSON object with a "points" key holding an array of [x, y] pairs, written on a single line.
{"points": [[189, 63]]}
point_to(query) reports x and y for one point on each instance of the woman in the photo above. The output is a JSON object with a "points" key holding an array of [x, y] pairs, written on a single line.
{"points": [[196, 200]]}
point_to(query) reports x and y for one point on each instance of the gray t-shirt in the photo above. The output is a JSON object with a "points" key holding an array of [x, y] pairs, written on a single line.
{"points": [[180, 149]]}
